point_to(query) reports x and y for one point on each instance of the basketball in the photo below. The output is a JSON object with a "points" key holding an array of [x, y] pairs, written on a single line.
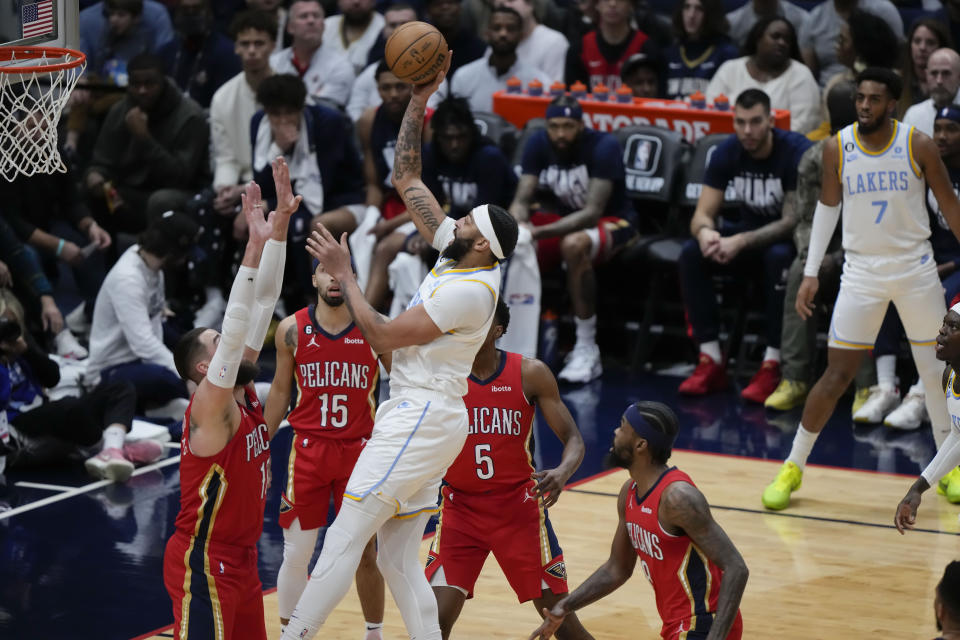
{"points": [[416, 52]]}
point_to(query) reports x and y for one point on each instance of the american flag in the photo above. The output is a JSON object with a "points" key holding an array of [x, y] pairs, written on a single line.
{"points": [[37, 18]]}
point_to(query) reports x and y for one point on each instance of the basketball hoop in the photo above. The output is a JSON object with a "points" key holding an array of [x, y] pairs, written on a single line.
{"points": [[35, 83]]}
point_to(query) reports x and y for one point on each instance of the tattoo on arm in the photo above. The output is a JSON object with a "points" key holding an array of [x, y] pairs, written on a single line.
{"points": [[406, 163], [778, 229], [420, 202], [290, 337]]}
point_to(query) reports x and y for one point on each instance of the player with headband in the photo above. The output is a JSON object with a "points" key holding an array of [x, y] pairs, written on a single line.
{"points": [[210, 562], [420, 430]]}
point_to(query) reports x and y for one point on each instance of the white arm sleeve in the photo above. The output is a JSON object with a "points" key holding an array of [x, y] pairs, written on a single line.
{"points": [[824, 222], [444, 234], [948, 457], [266, 291], [226, 360]]}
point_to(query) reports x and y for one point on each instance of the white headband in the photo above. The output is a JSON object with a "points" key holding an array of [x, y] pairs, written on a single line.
{"points": [[481, 217], [956, 308]]}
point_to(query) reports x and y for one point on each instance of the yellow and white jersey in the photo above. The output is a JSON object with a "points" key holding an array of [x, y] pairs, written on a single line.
{"points": [[953, 402], [884, 209], [461, 303]]}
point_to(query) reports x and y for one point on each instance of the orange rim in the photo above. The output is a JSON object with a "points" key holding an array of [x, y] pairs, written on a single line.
{"points": [[25, 54]]}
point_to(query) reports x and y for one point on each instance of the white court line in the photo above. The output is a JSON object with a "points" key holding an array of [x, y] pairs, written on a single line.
{"points": [[84, 489], [48, 487]]}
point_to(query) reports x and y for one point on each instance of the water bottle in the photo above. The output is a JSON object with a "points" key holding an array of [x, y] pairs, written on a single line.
{"points": [[548, 337]]}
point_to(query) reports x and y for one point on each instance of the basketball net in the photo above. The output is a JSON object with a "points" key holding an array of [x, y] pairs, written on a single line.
{"points": [[35, 84]]}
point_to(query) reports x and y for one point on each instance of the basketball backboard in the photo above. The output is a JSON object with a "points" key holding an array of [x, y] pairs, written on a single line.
{"points": [[51, 23]]}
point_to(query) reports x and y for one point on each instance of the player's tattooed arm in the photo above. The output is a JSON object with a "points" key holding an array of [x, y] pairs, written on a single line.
{"points": [[598, 195], [278, 399], [776, 230], [683, 509]]}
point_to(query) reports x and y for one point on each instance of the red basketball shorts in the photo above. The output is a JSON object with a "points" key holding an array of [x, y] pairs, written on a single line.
{"points": [[684, 630], [216, 591], [510, 524], [614, 233], [317, 469]]}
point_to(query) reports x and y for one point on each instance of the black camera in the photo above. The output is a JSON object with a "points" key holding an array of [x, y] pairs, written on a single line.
{"points": [[9, 329]]}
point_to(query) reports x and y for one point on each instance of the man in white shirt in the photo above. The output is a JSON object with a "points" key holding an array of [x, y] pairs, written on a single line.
{"points": [[943, 80], [126, 337], [327, 73], [354, 31], [540, 46], [742, 20], [478, 80], [364, 93]]}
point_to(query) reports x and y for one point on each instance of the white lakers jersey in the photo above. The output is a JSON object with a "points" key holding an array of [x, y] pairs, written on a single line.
{"points": [[953, 402], [461, 302], [884, 212]]}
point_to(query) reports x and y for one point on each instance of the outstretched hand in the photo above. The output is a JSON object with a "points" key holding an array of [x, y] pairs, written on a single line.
{"points": [[906, 515], [287, 203], [552, 620], [259, 227], [427, 89], [549, 485], [333, 255]]}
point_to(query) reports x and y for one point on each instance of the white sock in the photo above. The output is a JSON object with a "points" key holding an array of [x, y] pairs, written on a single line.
{"points": [[711, 349], [113, 437], [803, 443], [586, 331], [771, 354], [918, 388], [373, 630], [887, 372]]}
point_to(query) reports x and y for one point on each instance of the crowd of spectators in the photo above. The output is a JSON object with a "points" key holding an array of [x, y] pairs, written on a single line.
{"points": [[185, 101]]}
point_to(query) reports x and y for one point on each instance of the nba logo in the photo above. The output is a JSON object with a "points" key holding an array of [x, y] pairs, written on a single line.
{"points": [[641, 161], [223, 372]]}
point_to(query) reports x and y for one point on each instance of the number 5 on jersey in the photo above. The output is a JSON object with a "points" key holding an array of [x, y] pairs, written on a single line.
{"points": [[484, 462]]}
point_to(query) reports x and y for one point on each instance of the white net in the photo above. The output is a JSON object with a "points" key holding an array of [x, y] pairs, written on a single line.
{"points": [[35, 83]]}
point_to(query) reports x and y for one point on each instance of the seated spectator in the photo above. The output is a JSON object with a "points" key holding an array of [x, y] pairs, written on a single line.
{"points": [[642, 73], [326, 73], [477, 81], [772, 65], [761, 164], [580, 19], [798, 335], [127, 336], [926, 35], [466, 47], [819, 37], [279, 12], [540, 46], [353, 31], [943, 83], [742, 20], [325, 170], [598, 57], [44, 432], [865, 40], [151, 154], [112, 32], [200, 58], [946, 603], [700, 47], [572, 191], [365, 93]]}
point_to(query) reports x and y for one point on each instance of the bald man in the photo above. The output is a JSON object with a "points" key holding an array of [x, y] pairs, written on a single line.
{"points": [[943, 79]]}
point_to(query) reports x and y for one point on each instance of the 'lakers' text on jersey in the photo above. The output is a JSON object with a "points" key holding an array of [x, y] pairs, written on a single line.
{"points": [[336, 381], [496, 454], [685, 582], [884, 212]]}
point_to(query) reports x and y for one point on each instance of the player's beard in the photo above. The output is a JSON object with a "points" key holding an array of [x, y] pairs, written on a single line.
{"points": [[331, 301], [457, 249], [247, 372], [615, 458], [871, 126]]}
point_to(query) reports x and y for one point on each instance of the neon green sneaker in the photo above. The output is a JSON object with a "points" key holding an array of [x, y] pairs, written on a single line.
{"points": [[777, 494], [859, 398], [952, 490], [787, 395]]}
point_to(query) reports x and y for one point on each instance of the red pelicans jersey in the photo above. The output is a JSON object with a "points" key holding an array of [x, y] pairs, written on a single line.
{"points": [[496, 454], [336, 381], [601, 70], [222, 496], [685, 582]]}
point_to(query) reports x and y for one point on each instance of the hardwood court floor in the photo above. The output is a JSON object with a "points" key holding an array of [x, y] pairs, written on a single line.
{"points": [[831, 566]]}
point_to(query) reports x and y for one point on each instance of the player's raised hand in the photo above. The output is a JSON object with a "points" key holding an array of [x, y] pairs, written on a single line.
{"points": [[549, 485], [287, 203], [808, 291], [551, 622], [333, 255], [906, 515], [425, 90], [259, 227]]}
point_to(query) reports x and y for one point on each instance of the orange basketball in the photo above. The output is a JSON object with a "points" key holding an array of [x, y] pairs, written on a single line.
{"points": [[416, 52]]}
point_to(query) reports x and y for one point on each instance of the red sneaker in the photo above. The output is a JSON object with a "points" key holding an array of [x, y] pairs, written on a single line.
{"points": [[763, 383], [708, 377]]}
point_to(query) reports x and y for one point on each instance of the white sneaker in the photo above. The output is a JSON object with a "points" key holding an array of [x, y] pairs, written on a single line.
{"points": [[109, 464], [77, 321], [880, 403], [68, 346], [210, 315], [911, 413], [583, 365]]}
